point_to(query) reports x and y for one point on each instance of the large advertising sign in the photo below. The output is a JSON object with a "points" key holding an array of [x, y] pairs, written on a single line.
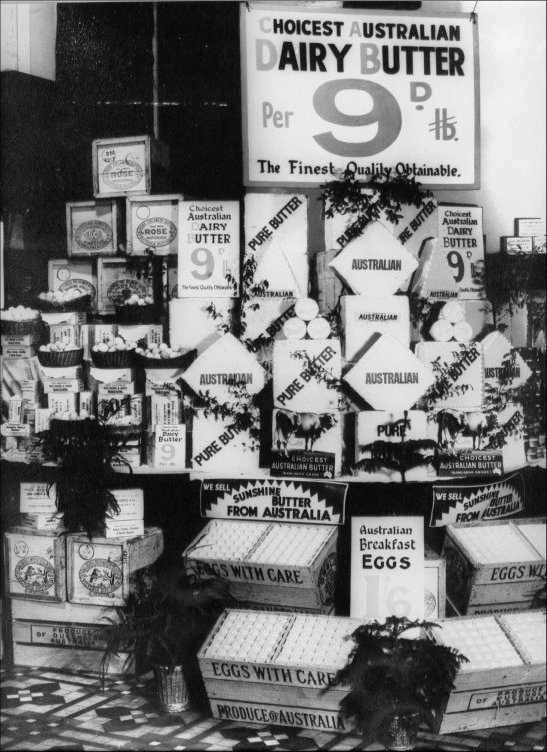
{"points": [[328, 90]]}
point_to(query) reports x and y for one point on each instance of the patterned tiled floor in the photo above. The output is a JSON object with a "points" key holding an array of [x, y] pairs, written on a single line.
{"points": [[48, 710]]}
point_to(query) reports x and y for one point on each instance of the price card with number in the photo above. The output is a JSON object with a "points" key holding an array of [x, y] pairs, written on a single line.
{"points": [[387, 567], [208, 249], [461, 246], [327, 89], [169, 449]]}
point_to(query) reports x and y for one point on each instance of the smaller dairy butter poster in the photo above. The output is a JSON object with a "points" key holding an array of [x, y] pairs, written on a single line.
{"points": [[208, 250]]}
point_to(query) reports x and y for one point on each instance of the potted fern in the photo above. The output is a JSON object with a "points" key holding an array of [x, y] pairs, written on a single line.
{"points": [[396, 682], [162, 626]]}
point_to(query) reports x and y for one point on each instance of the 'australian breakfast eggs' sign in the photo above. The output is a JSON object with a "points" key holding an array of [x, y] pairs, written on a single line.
{"points": [[329, 89]]}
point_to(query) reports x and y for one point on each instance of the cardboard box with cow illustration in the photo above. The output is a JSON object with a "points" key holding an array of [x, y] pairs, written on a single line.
{"points": [[34, 564], [493, 567], [64, 636], [99, 569], [380, 454], [268, 564], [307, 445]]}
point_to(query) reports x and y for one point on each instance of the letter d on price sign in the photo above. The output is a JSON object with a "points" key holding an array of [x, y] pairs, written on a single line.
{"points": [[387, 567]]}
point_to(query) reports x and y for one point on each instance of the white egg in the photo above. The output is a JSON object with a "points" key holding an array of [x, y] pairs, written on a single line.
{"points": [[141, 302], [119, 341], [148, 300]]}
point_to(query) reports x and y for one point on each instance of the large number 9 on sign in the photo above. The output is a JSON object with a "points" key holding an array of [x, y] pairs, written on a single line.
{"points": [[203, 257], [385, 112]]}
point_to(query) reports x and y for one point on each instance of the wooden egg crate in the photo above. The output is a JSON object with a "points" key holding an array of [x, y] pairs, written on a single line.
{"points": [[63, 636], [274, 668], [494, 567], [504, 681], [269, 564], [34, 564]]}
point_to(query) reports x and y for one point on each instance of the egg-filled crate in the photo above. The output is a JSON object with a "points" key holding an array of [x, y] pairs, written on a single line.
{"points": [[527, 632], [491, 544], [246, 636], [498, 686], [318, 641], [227, 540], [481, 640], [535, 533], [294, 545]]}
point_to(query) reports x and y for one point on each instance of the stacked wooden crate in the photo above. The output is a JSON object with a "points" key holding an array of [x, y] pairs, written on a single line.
{"points": [[269, 565], [276, 669]]}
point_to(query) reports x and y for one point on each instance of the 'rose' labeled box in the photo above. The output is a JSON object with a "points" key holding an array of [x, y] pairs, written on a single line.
{"points": [[92, 228], [152, 223], [129, 165]]}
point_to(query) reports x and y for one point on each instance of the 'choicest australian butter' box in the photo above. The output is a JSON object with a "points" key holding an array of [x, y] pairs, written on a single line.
{"points": [[92, 228], [64, 636], [269, 563], [34, 565], [494, 567], [99, 569], [152, 223]]}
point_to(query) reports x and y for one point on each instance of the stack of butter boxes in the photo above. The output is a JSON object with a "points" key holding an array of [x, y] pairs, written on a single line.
{"points": [[276, 265], [64, 589], [529, 237]]}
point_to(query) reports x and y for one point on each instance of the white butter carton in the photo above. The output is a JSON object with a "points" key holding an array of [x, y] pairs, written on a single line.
{"points": [[65, 274], [42, 419], [152, 222], [17, 352], [131, 504], [375, 263], [47, 521], [529, 226], [37, 498], [123, 528], [165, 409], [219, 446], [167, 447], [208, 249], [458, 372], [264, 319], [114, 400], [306, 375], [196, 323], [225, 371], [276, 231], [389, 376], [364, 316], [62, 386], [116, 281], [163, 381], [16, 430], [59, 403]]}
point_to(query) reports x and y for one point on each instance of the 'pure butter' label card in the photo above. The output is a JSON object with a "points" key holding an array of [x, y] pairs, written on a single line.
{"points": [[387, 567], [306, 375], [208, 249]]}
